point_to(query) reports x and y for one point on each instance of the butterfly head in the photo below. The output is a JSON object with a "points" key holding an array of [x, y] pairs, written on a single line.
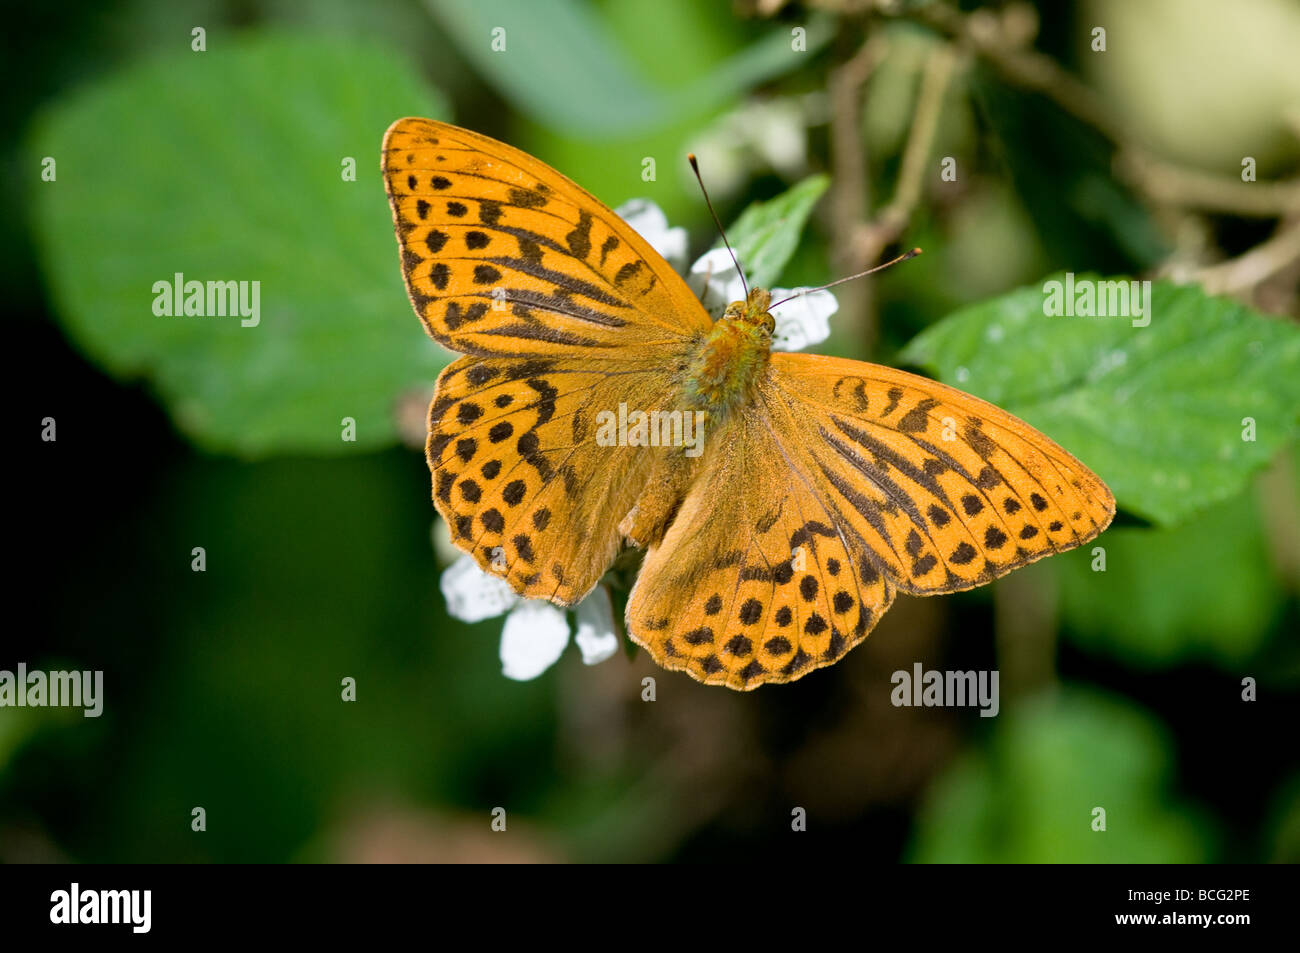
{"points": [[753, 311]]}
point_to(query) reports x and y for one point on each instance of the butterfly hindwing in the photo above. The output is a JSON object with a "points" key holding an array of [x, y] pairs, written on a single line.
{"points": [[519, 475], [504, 256], [947, 491], [757, 579]]}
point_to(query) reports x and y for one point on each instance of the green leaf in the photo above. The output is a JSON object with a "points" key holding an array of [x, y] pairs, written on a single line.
{"points": [[1163, 413], [1152, 607], [589, 89], [1029, 794], [192, 165], [767, 233]]}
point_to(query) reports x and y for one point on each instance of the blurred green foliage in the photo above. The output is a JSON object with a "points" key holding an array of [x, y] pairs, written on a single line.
{"points": [[1284, 832], [1173, 414], [1203, 591], [589, 86], [184, 164], [1050, 764]]}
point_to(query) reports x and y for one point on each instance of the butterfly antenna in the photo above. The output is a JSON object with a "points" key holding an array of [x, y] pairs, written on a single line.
{"points": [[903, 257], [695, 166]]}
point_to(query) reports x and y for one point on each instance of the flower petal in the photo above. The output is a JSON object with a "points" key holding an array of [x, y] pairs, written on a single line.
{"points": [[649, 221], [802, 321], [473, 595], [596, 637], [715, 281], [533, 639]]}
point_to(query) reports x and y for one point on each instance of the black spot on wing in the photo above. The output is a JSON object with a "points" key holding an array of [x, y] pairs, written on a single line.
{"points": [[918, 418], [579, 240], [606, 247]]}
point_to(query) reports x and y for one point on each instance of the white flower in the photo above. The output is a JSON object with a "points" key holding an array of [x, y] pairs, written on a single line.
{"points": [[649, 221], [536, 632], [801, 321], [804, 319], [532, 639], [473, 595], [596, 638]]}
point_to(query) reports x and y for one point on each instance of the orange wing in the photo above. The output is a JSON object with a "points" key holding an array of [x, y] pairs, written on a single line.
{"points": [[947, 491], [565, 312], [845, 483], [504, 256], [758, 579], [841, 485], [519, 476]]}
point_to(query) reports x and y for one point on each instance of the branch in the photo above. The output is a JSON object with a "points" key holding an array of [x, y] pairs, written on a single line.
{"points": [[848, 152], [1255, 266], [893, 218], [1174, 185], [1000, 41], [851, 197]]}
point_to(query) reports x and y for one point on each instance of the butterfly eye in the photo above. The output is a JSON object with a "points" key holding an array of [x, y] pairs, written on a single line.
{"points": [[769, 322]]}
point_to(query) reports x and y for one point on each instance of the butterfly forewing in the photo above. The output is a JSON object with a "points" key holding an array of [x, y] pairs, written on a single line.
{"points": [[502, 255], [567, 312], [947, 491]]}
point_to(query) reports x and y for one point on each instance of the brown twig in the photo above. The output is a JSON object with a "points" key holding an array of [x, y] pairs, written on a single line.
{"points": [[851, 195], [860, 242], [1255, 266], [890, 221], [1170, 184], [997, 41]]}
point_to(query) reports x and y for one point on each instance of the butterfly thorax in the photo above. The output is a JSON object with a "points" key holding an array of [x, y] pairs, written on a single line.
{"points": [[723, 373]]}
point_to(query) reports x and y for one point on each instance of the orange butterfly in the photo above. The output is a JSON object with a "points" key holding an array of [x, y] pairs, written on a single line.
{"points": [[824, 486]]}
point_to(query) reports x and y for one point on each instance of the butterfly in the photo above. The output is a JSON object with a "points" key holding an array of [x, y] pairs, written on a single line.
{"points": [[821, 488]]}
